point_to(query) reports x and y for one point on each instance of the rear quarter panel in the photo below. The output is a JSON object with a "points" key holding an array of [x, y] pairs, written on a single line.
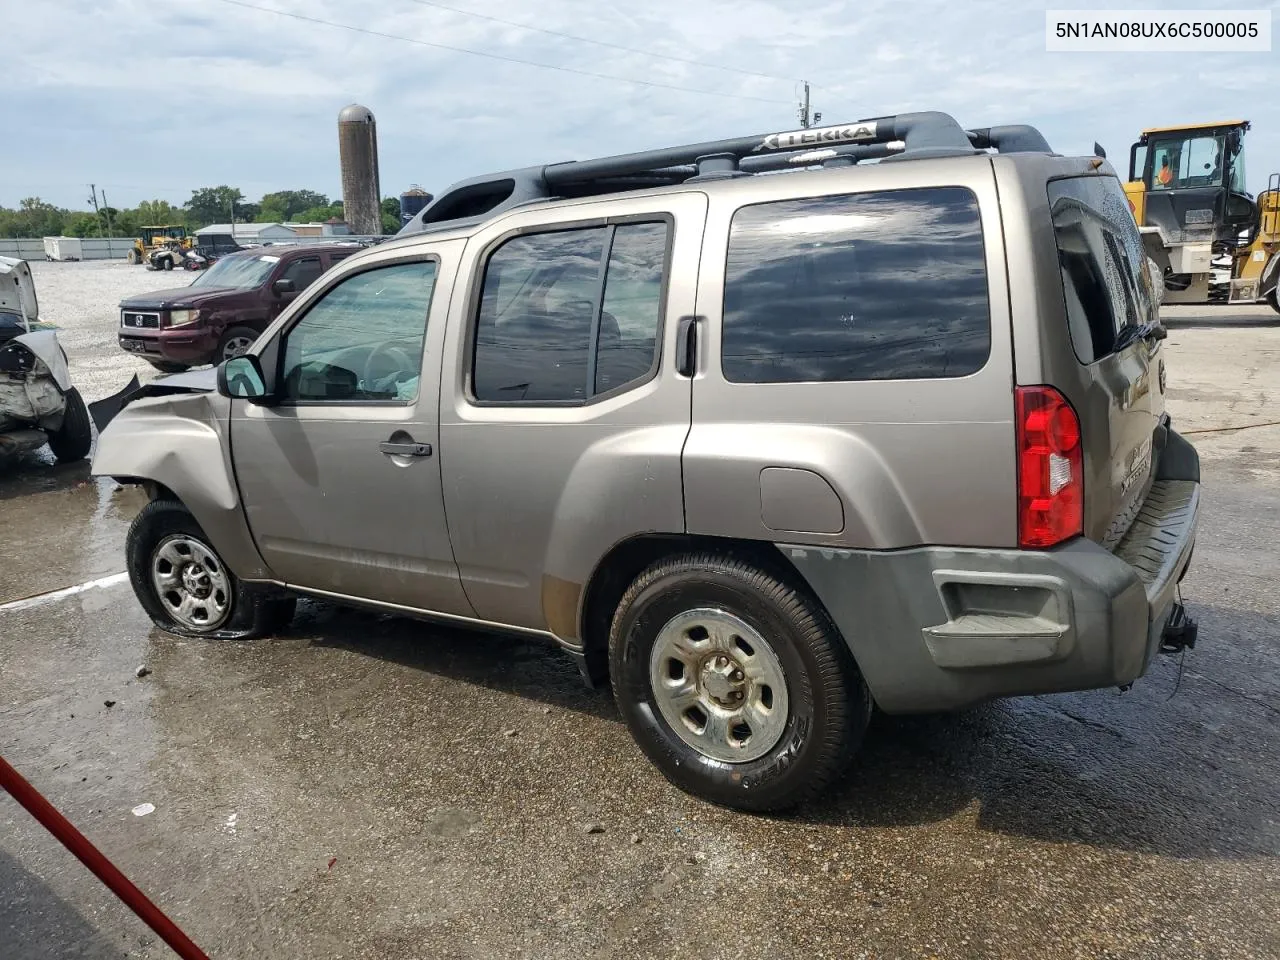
{"points": [[927, 461]]}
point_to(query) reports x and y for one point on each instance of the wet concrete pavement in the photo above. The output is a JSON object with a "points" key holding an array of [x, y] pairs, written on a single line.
{"points": [[371, 787]]}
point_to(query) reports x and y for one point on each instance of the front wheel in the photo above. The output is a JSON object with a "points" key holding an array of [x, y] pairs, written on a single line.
{"points": [[235, 342], [734, 683], [185, 587]]}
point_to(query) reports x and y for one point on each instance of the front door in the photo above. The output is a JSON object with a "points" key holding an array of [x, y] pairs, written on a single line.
{"points": [[341, 478]]}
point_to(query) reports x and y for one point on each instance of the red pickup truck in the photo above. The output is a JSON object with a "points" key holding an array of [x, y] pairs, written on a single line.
{"points": [[222, 312]]}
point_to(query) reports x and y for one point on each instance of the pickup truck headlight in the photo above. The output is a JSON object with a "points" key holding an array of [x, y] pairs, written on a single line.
{"points": [[183, 318]]}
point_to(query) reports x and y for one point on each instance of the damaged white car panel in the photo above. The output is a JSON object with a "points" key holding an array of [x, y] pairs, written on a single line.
{"points": [[38, 404]]}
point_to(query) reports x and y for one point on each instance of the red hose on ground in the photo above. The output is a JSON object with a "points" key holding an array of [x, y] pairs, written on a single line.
{"points": [[91, 857]]}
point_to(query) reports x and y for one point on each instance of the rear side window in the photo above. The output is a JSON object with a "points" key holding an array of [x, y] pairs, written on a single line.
{"points": [[870, 286], [569, 315], [1105, 279]]}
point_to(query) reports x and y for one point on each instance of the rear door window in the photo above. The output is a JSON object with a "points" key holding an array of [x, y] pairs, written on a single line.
{"points": [[871, 286], [1105, 280], [570, 315]]}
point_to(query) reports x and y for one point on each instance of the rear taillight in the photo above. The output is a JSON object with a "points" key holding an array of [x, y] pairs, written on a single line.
{"points": [[1050, 468]]}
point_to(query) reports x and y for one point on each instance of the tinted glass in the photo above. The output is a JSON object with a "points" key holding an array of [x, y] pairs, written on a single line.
{"points": [[533, 335], [363, 339], [303, 272], [875, 286], [1105, 279], [632, 305]]}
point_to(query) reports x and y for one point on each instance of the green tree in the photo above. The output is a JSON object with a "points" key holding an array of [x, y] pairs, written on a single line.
{"points": [[390, 215], [320, 214], [291, 204], [213, 205], [82, 225], [158, 212], [34, 218]]}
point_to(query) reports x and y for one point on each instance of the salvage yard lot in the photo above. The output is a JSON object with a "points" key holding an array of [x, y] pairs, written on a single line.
{"points": [[371, 787]]}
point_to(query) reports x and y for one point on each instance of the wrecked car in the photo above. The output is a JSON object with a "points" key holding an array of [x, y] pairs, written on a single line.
{"points": [[38, 404]]}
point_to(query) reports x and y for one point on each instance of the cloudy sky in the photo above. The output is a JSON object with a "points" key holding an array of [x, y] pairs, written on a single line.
{"points": [[152, 99]]}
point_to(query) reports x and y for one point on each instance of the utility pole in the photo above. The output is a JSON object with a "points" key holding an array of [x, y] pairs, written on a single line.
{"points": [[804, 107], [111, 230], [97, 216]]}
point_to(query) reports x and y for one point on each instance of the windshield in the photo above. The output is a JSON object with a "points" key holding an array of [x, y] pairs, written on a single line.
{"points": [[243, 273], [1186, 161]]}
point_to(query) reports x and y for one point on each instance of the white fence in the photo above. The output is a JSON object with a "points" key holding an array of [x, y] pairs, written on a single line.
{"points": [[92, 248]]}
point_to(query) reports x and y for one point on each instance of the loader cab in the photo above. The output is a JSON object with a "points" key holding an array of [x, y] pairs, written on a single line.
{"points": [[1190, 182]]}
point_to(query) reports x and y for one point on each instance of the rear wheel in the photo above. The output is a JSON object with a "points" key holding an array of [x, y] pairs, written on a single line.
{"points": [[133, 257], [185, 587], [72, 440], [735, 684], [235, 342]]}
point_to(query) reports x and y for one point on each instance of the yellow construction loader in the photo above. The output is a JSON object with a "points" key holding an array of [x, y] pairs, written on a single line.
{"points": [[159, 237], [1212, 240]]}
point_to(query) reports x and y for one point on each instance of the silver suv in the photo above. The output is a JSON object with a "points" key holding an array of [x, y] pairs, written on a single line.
{"points": [[762, 450]]}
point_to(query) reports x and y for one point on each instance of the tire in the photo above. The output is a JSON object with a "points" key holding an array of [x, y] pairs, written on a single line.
{"points": [[164, 366], [133, 257], [238, 338], [825, 705], [218, 604], [73, 439], [168, 263], [1272, 298]]}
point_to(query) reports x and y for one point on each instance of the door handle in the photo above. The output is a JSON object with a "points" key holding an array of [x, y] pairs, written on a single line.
{"points": [[392, 449], [687, 346]]}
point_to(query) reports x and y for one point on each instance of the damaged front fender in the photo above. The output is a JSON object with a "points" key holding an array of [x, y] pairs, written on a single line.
{"points": [[178, 441]]}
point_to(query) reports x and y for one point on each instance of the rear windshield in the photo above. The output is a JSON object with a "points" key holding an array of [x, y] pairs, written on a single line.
{"points": [[1106, 282]]}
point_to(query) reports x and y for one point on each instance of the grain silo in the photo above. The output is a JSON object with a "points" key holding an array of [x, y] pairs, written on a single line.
{"points": [[358, 155]]}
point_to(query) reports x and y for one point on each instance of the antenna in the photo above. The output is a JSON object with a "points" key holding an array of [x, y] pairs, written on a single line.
{"points": [[803, 112]]}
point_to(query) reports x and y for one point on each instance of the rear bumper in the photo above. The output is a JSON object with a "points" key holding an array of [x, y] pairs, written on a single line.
{"points": [[938, 628]]}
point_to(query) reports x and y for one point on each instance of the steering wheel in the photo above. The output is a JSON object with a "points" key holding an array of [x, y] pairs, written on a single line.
{"points": [[399, 361]]}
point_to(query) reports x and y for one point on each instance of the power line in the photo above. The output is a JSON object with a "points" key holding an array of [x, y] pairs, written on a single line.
{"points": [[496, 56], [600, 43]]}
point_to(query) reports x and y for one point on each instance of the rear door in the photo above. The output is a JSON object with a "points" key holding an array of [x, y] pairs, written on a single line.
{"points": [[1109, 295], [562, 416]]}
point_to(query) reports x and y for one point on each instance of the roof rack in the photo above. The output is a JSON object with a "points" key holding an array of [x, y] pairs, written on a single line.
{"points": [[907, 136]]}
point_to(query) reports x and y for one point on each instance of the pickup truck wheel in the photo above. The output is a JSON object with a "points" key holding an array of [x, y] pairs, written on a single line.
{"points": [[235, 342], [72, 440], [185, 587], [735, 684]]}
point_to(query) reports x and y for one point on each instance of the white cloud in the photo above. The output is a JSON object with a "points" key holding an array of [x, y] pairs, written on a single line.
{"points": [[157, 99]]}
